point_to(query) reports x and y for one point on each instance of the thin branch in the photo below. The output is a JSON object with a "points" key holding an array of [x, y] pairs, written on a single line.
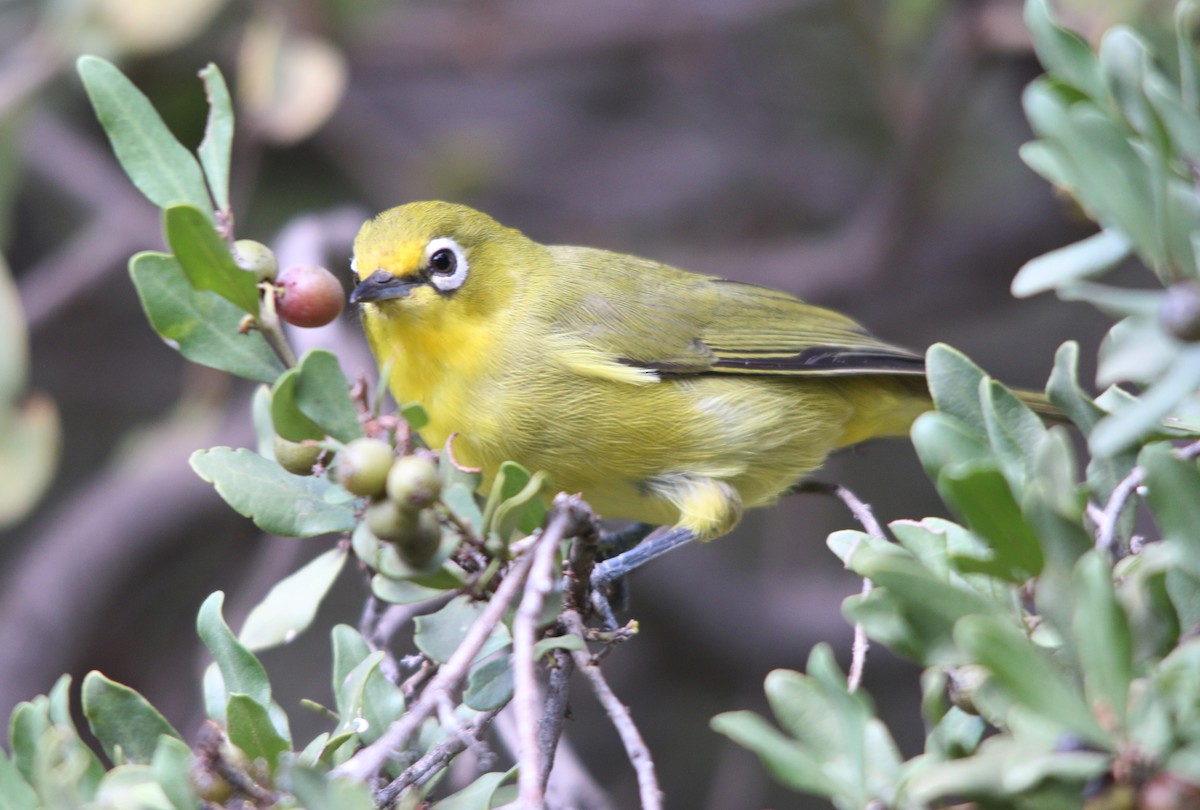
{"points": [[618, 713], [525, 685], [436, 758], [1106, 522], [371, 760], [863, 514], [554, 712], [1106, 531]]}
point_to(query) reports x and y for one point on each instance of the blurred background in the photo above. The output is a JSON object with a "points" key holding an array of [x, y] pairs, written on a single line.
{"points": [[860, 154]]}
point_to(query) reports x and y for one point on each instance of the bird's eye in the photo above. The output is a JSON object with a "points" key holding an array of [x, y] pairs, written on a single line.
{"points": [[443, 261], [447, 264]]}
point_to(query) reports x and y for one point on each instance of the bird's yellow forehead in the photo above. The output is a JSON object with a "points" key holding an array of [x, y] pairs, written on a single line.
{"points": [[374, 251]]}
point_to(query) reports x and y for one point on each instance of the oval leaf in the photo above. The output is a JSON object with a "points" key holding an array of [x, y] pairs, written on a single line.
{"points": [[202, 326], [124, 722], [277, 501], [155, 161], [290, 606]]}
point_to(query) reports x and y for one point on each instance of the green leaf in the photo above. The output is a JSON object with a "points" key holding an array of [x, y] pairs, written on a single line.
{"points": [[954, 383], [439, 634], [1103, 638], [291, 605], [155, 161], [569, 642], [172, 764], [1064, 53], [318, 791], [124, 722], [478, 795], [369, 702], [349, 650], [1027, 674], [460, 500], [29, 721], [1119, 302], [312, 400], [981, 494], [1085, 259], [1130, 425], [912, 607], [206, 258], [264, 428], [201, 325], [1125, 63], [249, 726], [277, 501], [59, 707], [490, 684], [1172, 485], [789, 763], [30, 435], [1063, 390], [15, 792], [404, 591], [1013, 430], [1106, 175], [414, 413], [515, 501], [1054, 502], [216, 149], [14, 339], [943, 441], [241, 671]]}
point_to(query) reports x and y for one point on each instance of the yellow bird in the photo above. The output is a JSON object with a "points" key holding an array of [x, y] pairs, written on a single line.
{"points": [[663, 396]]}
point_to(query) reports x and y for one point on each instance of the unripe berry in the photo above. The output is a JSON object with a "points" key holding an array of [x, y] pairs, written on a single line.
{"points": [[308, 295], [1179, 312], [413, 482], [415, 535], [362, 466], [257, 258], [295, 457]]}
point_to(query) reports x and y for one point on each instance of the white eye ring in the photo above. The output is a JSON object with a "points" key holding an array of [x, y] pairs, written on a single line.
{"points": [[447, 264], [354, 266]]}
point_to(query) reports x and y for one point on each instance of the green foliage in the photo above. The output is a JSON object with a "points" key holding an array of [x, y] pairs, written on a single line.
{"points": [[29, 429], [1041, 618]]}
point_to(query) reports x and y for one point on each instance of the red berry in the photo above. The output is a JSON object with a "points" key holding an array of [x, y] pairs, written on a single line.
{"points": [[308, 295]]}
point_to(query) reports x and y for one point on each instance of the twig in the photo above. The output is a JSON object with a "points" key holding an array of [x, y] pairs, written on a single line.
{"points": [[436, 758], [1106, 531], [554, 713], [863, 514], [618, 713], [525, 686], [449, 678], [371, 759]]}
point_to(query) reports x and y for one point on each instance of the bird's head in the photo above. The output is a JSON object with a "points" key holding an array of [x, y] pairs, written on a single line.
{"points": [[430, 259]]}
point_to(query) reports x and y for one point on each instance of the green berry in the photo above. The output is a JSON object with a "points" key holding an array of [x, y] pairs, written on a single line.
{"points": [[414, 482], [295, 457], [257, 258], [362, 467], [416, 535]]}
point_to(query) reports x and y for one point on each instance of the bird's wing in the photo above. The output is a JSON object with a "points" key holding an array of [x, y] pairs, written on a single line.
{"points": [[757, 330], [661, 321]]}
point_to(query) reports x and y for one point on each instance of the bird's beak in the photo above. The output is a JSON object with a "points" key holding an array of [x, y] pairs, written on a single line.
{"points": [[380, 286]]}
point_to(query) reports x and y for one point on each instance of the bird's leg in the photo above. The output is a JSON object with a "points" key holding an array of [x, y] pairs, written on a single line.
{"points": [[654, 546]]}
